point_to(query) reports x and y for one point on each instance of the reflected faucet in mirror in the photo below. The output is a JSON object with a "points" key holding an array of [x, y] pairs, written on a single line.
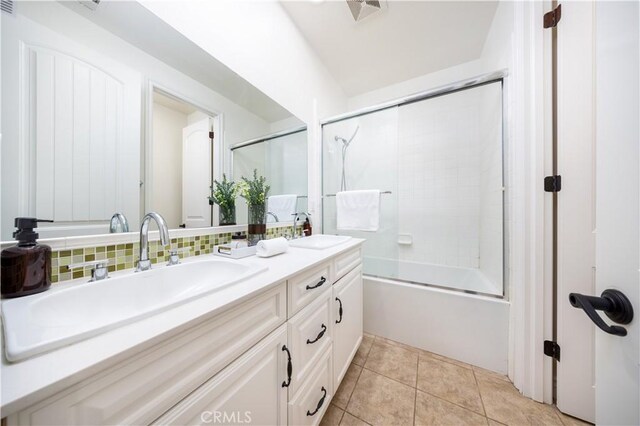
{"points": [[144, 263], [296, 217], [274, 216], [118, 223]]}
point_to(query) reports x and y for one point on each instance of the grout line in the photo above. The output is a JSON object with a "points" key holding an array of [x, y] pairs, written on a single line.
{"points": [[341, 415], [390, 378], [451, 402], [354, 388], [447, 360], [419, 351], [475, 379], [415, 404], [351, 414]]}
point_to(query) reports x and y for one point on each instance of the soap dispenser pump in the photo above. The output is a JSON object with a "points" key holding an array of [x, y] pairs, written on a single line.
{"points": [[26, 267]]}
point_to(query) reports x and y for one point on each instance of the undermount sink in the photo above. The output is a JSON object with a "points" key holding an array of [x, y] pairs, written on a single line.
{"points": [[320, 241], [46, 321]]}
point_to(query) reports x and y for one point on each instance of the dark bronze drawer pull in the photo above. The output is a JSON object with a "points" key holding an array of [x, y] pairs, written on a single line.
{"points": [[338, 321], [322, 281], [324, 328], [324, 395], [287, 382]]}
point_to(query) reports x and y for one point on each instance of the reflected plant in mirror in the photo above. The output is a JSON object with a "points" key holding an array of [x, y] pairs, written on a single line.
{"points": [[280, 157], [224, 194], [255, 192]]}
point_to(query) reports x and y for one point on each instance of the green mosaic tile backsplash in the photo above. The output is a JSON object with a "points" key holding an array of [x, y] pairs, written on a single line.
{"points": [[125, 256]]}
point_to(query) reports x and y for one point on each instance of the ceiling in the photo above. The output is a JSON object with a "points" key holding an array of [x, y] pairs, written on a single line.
{"points": [[173, 104], [406, 39], [133, 23]]}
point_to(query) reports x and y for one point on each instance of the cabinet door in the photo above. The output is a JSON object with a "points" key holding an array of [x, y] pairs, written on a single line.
{"points": [[248, 391], [347, 321]]}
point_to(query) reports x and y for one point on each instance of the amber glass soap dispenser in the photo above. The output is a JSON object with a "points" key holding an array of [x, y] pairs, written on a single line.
{"points": [[26, 267]]}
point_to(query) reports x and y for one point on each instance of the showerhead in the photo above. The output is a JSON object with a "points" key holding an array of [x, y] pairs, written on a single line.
{"points": [[347, 142]]}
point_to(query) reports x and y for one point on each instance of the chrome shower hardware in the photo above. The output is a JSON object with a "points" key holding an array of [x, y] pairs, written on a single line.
{"points": [[345, 146]]}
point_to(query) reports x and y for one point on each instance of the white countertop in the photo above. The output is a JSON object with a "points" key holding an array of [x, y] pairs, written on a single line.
{"points": [[27, 382]]}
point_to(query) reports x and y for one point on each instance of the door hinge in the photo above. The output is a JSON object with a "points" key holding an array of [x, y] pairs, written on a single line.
{"points": [[552, 18], [552, 349], [553, 183], [211, 135]]}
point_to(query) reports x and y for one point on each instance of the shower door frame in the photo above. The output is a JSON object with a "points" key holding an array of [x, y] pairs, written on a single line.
{"points": [[470, 83]]}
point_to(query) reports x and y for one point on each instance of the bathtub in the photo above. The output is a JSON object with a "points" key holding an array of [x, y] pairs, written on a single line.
{"points": [[470, 323], [464, 279]]}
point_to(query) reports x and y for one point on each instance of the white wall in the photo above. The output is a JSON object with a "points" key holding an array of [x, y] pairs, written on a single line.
{"points": [[285, 124], [415, 85], [167, 161], [496, 55], [258, 40]]}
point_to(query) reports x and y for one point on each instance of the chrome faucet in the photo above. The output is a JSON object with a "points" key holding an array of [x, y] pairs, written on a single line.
{"points": [[118, 223], [273, 215], [144, 264]]}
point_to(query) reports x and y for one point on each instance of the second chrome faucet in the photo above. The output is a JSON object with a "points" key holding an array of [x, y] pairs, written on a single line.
{"points": [[144, 264]]}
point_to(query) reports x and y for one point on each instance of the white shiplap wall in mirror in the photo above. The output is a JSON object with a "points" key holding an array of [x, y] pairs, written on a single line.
{"points": [[74, 119], [79, 166]]}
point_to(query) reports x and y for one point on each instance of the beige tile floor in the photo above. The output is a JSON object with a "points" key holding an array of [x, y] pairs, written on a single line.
{"points": [[389, 383]]}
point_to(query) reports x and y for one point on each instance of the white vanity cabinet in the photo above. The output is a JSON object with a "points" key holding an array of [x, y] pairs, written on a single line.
{"points": [[276, 358], [249, 391], [347, 324], [141, 388]]}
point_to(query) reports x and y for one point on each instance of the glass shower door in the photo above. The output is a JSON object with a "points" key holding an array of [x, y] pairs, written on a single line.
{"points": [[441, 159], [368, 162]]}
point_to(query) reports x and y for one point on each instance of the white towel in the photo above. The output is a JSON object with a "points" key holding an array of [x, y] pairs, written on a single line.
{"points": [[268, 248], [358, 210], [283, 206]]}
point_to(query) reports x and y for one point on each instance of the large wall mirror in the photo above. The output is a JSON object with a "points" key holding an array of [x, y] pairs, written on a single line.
{"points": [[107, 109]]}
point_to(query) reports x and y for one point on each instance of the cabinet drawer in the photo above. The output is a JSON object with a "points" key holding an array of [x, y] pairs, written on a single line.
{"points": [[305, 287], [146, 385], [345, 262], [311, 402], [309, 336], [247, 391]]}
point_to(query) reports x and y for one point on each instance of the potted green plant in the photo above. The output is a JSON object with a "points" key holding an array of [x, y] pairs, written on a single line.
{"points": [[255, 192], [224, 194]]}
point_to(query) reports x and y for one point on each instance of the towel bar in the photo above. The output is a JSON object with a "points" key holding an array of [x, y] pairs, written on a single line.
{"points": [[381, 192]]}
